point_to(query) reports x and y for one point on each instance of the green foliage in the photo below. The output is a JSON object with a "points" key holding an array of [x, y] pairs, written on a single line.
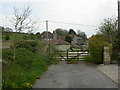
{"points": [[30, 37], [72, 32], [116, 47], [109, 28], [7, 36], [86, 58], [38, 35], [30, 45], [19, 36], [72, 60], [24, 57], [15, 36], [27, 67], [96, 44], [82, 37], [60, 32], [7, 54], [68, 39]]}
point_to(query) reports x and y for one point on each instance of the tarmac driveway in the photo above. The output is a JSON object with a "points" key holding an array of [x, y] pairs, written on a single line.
{"points": [[81, 75]]}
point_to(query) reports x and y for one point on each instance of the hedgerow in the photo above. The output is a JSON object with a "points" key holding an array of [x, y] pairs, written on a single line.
{"points": [[96, 45]]}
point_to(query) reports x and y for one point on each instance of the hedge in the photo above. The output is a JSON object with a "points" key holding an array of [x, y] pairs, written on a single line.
{"points": [[96, 45]]}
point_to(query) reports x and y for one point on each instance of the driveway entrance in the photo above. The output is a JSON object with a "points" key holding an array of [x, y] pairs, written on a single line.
{"points": [[81, 75]]}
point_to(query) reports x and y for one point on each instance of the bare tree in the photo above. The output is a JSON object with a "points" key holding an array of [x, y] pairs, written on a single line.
{"points": [[22, 21], [33, 26]]}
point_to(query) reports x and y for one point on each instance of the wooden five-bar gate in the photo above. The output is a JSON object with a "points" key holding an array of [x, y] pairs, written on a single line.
{"points": [[66, 55]]}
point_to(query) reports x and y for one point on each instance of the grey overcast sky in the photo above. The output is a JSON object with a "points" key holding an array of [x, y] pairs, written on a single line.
{"points": [[84, 12]]}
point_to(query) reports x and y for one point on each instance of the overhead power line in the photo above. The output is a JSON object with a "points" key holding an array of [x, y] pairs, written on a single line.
{"points": [[73, 24]]}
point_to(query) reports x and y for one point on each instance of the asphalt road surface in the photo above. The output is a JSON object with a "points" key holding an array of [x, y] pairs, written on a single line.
{"points": [[81, 75], [0, 74]]}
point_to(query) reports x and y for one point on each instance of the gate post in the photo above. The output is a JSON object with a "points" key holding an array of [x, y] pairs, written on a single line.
{"points": [[67, 55], [106, 55], [77, 56]]}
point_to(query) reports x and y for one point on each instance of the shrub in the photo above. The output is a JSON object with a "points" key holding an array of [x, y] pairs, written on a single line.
{"points": [[30, 45], [68, 39], [7, 54], [96, 44], [27, 67], [7, 36], [24, 57]]}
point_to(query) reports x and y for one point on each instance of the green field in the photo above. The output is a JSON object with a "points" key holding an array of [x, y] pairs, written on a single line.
{"points": [[17, 36]]}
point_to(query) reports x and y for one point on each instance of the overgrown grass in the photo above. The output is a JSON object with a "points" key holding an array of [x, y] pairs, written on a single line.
{"points": [[28, 66], [86, 58], [72, 61]]}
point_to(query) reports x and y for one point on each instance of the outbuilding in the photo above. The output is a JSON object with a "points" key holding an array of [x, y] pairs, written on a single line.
{"points": [[60, 44]]}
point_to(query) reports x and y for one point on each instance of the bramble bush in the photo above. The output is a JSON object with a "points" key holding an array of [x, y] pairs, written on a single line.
{"points": [[96, 45]]}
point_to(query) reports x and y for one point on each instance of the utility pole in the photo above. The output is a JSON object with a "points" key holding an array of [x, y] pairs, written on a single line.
{"points": [[48, 45], [118, 16], [47, 28]]}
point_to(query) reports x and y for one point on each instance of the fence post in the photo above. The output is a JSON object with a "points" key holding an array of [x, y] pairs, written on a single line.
{"points": [[78, 55], [67, 55], [49, 54]]}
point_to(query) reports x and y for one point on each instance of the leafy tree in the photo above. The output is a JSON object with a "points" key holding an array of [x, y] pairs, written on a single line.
{"points": [[60, 32], [72, 32], [82, 38], [109, 28], [116, 47], [68, 39], [38, 35], [7, 36], [82, 35]]}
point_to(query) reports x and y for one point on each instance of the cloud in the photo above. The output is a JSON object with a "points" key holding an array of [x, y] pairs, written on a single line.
{"points": [[5, 20], [90, 12]]}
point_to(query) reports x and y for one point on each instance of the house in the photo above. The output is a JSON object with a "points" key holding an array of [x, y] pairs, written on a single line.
{"points": [[74, 42], [56, 37], [78, 41], [46, 35], [60, 44]]}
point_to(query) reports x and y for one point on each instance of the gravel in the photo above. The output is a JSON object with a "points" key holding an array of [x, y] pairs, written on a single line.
{"points": [[110, 70]]}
